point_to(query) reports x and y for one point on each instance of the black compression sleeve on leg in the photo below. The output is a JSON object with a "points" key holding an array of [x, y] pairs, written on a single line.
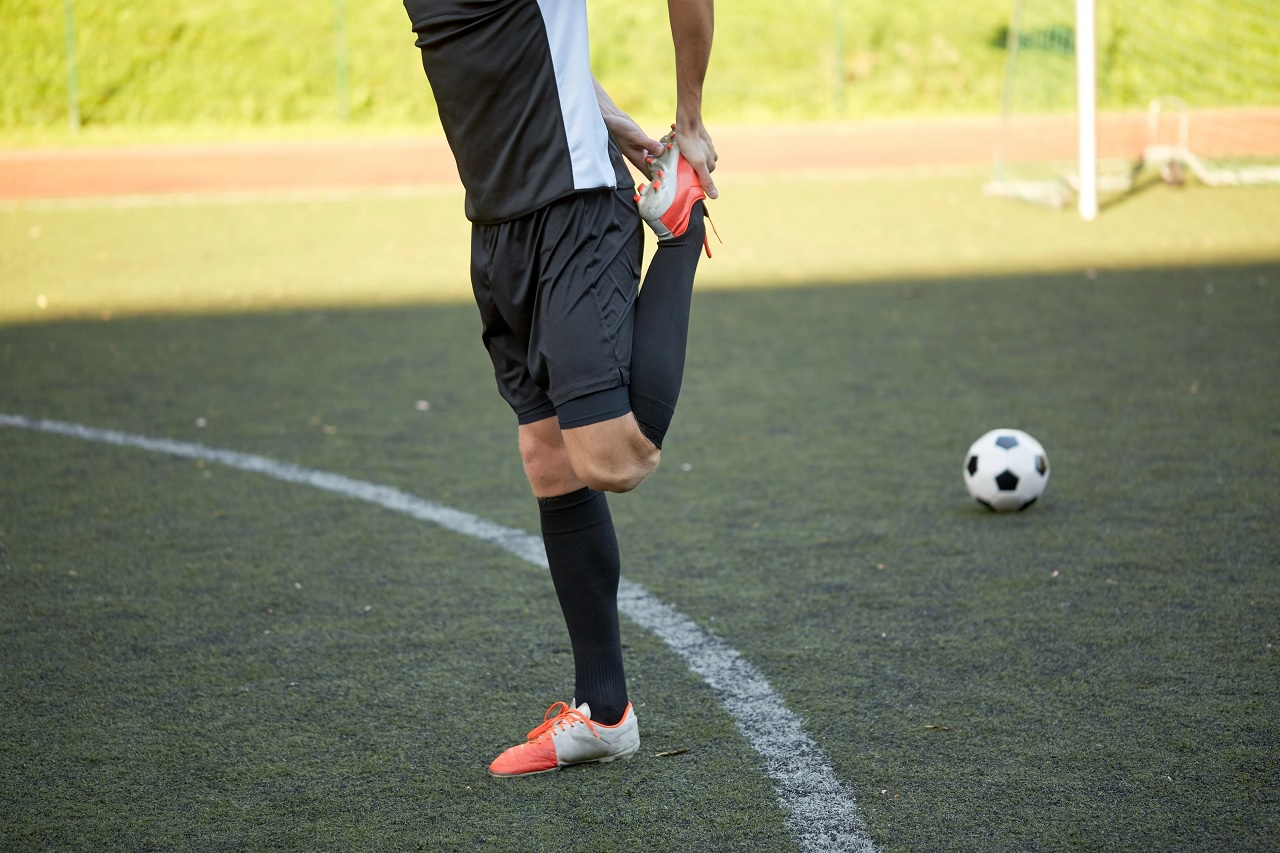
{"points": [[582, 552], [662, 328]]}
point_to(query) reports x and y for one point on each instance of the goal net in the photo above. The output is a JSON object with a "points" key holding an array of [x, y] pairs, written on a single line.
{"points": [[1186, 90]]}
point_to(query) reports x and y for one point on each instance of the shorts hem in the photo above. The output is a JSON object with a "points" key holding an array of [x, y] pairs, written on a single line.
{"points": [[597, 407]]}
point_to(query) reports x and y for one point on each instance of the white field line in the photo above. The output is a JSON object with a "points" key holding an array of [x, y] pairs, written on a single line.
{"points": [[820, 809]]}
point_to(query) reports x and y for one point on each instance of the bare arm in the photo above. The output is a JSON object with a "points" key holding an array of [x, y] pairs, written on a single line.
{"points": [[692, 28], [632, 141]]}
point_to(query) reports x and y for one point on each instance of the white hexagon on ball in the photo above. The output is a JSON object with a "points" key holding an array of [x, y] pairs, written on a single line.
{"points": [[1006, 470]]}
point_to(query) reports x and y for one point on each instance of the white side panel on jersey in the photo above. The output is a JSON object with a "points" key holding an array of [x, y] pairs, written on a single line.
{"points": [[566, 23]]}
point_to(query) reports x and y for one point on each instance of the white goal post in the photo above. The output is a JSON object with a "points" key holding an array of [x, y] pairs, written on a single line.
{"points": [[1087, 108], [1190, 90]]}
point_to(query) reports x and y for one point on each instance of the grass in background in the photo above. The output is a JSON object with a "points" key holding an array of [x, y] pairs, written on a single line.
{"points": [[1144, 52], [147, 66], [188, 657], [150, 69]]}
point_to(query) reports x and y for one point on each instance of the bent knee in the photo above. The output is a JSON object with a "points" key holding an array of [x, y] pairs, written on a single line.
{"points": [[551, 477], [618, 477], [546, 461]]}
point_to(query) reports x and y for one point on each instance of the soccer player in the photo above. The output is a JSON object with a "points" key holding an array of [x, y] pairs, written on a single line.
{"points": [[590, 363]]}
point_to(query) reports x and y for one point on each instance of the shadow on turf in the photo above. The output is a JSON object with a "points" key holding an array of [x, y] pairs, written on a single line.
{"points": [[1142, 183]]}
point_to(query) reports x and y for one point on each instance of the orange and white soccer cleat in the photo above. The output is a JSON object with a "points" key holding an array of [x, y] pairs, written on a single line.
{"points": [[666, 203], [568, 736]]}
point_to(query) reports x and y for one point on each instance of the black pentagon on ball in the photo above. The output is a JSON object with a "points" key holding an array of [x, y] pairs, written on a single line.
{"points": [[1007, 481], [973, 465], [1008, 442], [1042, 465]]}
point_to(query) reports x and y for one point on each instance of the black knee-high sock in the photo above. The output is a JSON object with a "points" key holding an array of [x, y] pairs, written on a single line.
{"points": [[662, 328], [582, 551]]}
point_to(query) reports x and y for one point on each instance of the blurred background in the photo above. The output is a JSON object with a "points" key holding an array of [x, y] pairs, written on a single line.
{"points": [[146, 101], [150, 68], [147, 66]]}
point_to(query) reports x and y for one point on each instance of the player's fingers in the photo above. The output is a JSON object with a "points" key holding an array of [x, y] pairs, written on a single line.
{"points": [[708, 185], [640, 154], [712, 156], [704, 166]]}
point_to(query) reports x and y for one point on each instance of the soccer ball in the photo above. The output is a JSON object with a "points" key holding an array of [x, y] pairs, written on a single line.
{"points": [[1006, 470]]}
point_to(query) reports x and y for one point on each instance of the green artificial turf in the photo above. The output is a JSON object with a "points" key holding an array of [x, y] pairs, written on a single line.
{"points": [[202, 658]]}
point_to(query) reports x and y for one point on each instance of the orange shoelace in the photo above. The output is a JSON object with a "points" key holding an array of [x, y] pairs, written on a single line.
{"points": [[565, 716]]}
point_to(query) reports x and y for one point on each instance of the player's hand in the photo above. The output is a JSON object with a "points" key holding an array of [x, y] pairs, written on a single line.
{"points": [[696, 147], [632, 141]]}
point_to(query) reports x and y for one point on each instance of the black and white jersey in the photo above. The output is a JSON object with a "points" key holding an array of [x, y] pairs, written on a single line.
{"points": [[512, 81]]}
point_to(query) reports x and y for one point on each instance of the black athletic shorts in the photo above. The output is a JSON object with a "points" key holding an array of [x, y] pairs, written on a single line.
{"points": [[556, 291]]}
